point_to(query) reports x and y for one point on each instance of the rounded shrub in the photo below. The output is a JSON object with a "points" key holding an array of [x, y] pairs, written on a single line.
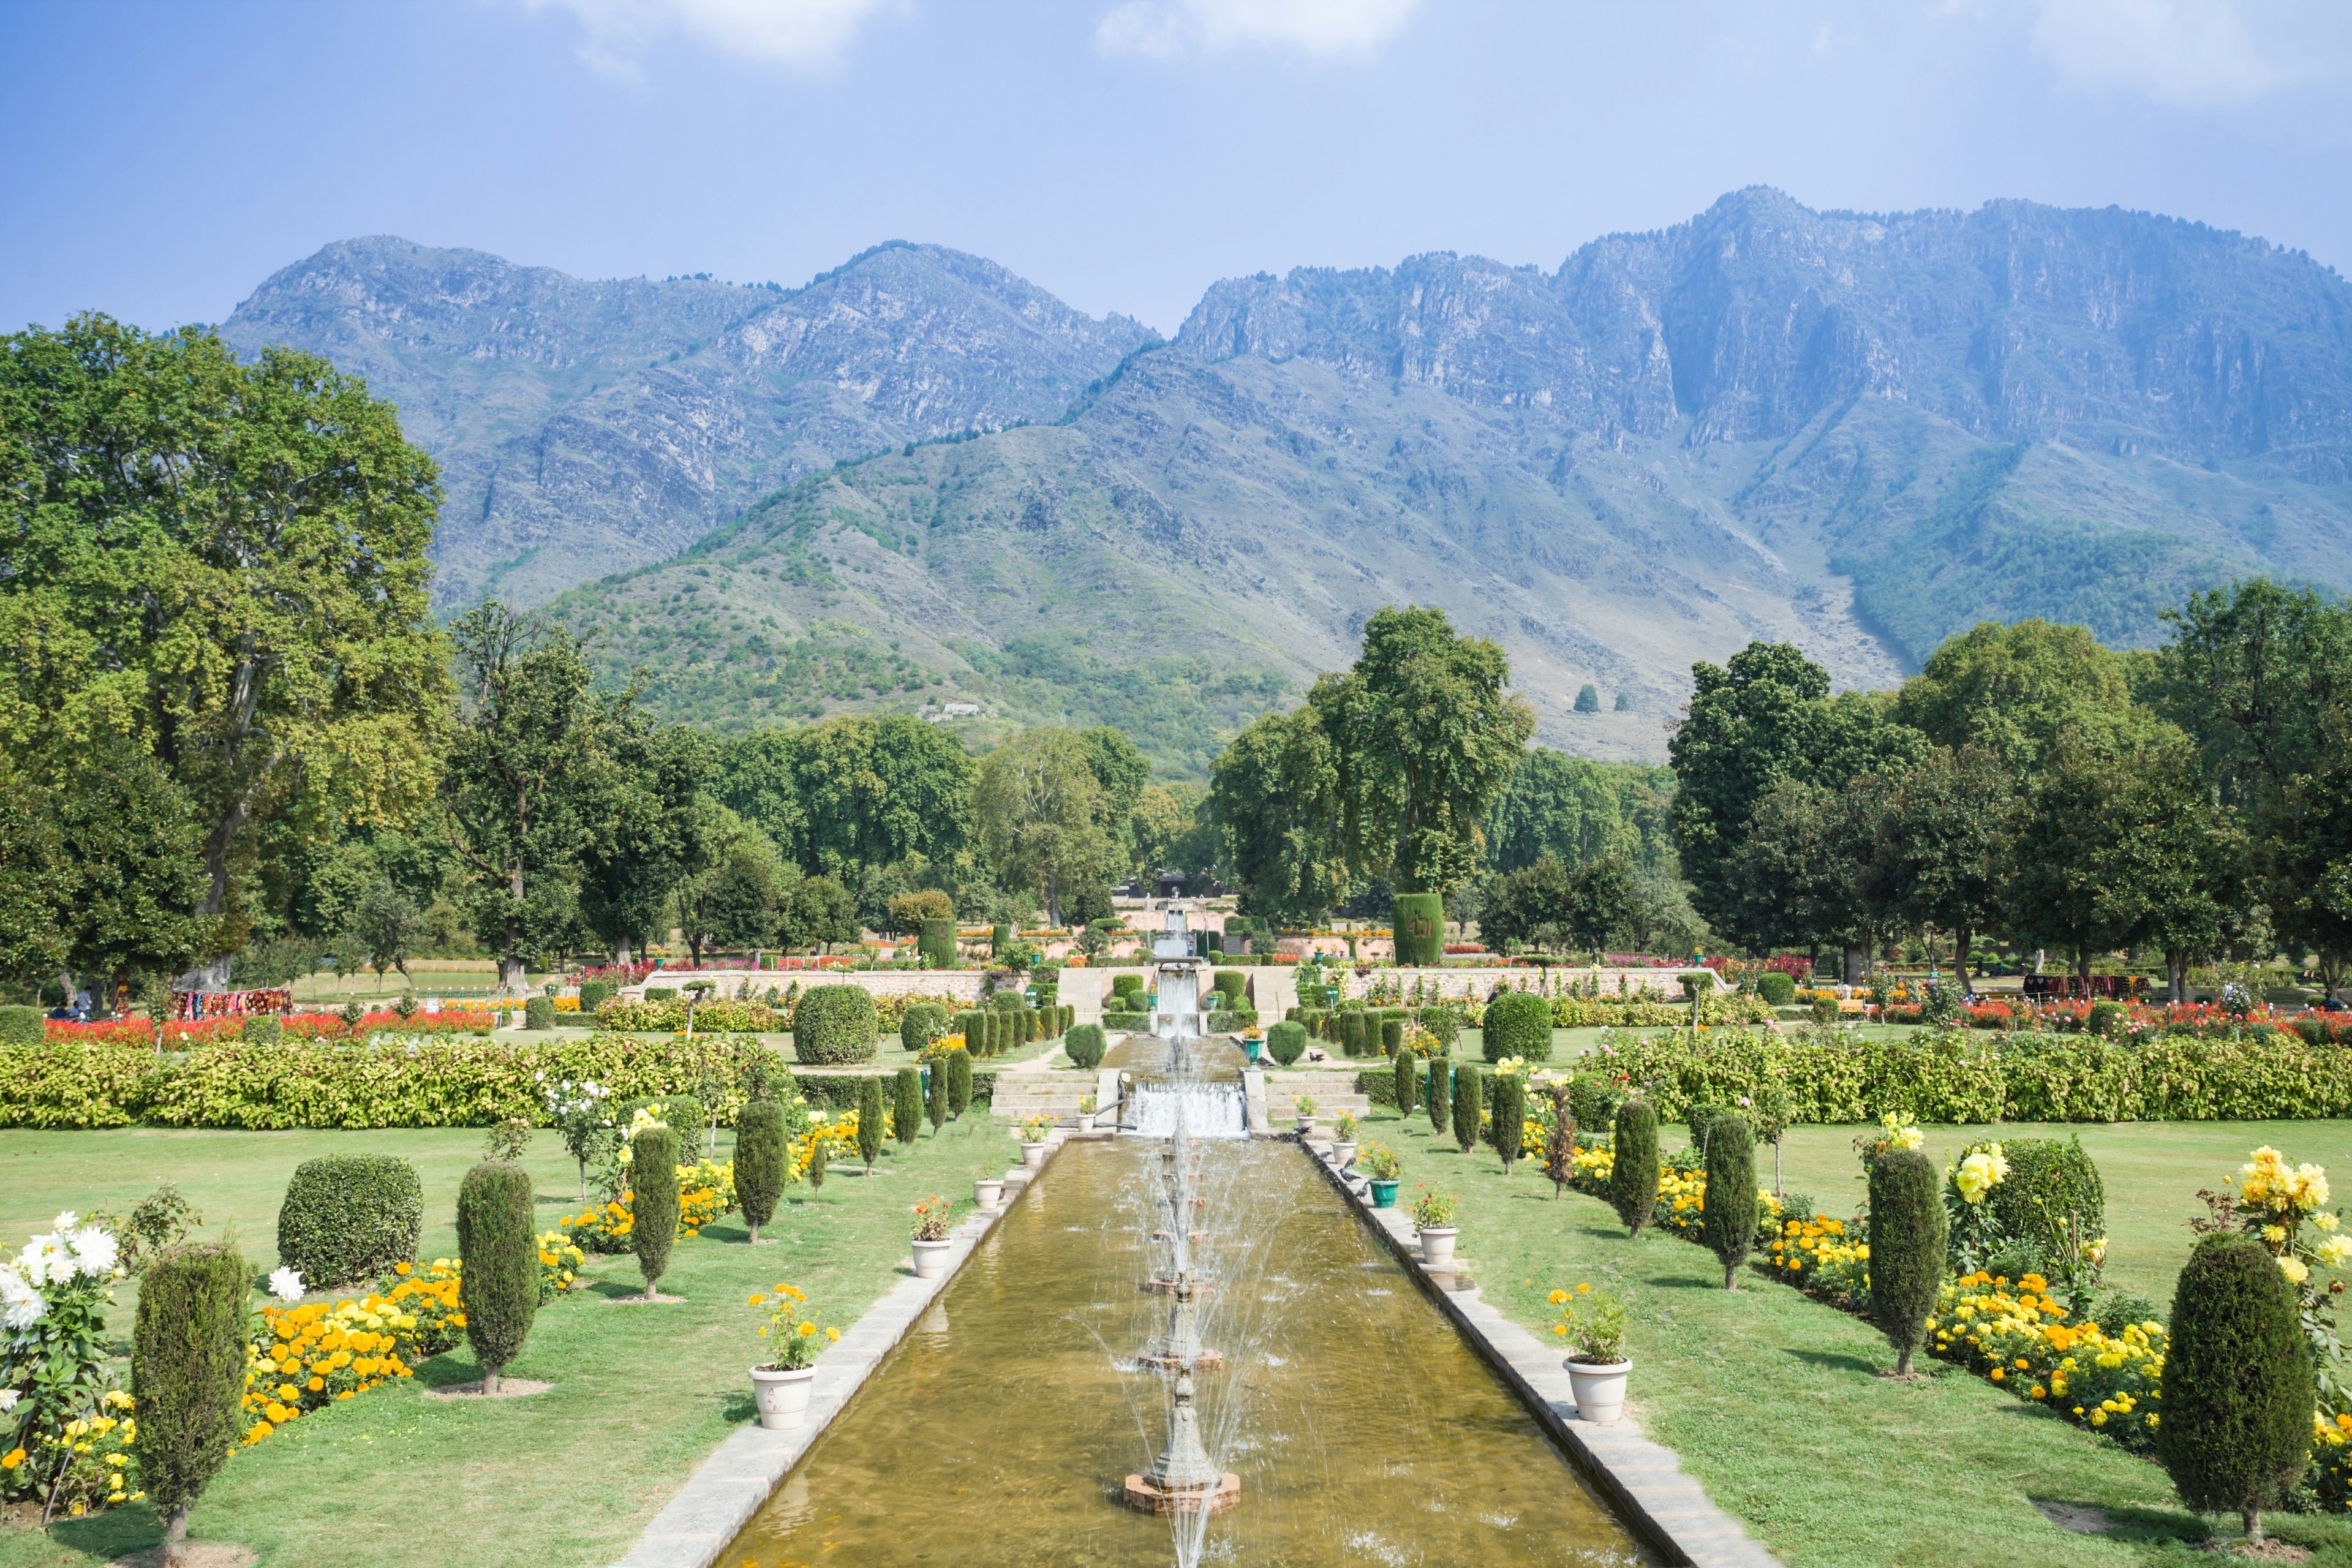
{"points": [[263, 1030], [1507, 1119], [1419, 921], [653, 1202], [937, 943], [1231, 985], [1129, 986], [1392, 1036], [350, 1217], [1000, 938], [594, 994], [1468, 1101], [539, 1013], [1906, 1250], [661, 992], [2237, 1382], [498, 1279], [959, 1083], [833, 1024], [1437, 1092], [1733, 1206], [187, 1376], [1518, 1024], [761, 1159], [1633, 1178], [22, 1026], [2048, 1180], [1084, 1046], [907, 1105], [1285, 1042], [924, 1022], [1775, 988], [1406, 1081], [869, 1120], [2106, 1018]]}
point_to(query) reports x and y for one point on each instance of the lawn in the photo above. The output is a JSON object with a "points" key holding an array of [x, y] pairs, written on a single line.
{"points": [[568, 1477], [1773, 1401]]}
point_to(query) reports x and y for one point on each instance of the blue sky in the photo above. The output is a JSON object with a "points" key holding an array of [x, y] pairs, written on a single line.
{"points": [[164, 159]]}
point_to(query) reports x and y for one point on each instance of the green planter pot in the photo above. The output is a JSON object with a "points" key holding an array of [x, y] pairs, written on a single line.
{"points": [[1384, 1194], [1252, 1047]]}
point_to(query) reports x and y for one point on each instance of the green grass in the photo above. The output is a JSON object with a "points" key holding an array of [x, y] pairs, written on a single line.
{"points": [[567, 1477], [1773, 1401]]}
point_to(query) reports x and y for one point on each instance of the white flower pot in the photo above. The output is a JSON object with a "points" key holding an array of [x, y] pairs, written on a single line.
{"points": [[931, 1259], [1306, 1125], [782, 1396], [1437, 1246], [1342, 1154], [1599, 1389], [1085, 1121], [988, 1192], [1034, 1156]]}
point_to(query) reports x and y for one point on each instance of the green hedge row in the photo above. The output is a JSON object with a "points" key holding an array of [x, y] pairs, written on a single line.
{"points": [[839, 1090], [1956, 1076], [448, 1082]]}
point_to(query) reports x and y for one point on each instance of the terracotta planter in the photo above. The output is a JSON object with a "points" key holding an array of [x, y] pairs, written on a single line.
{"points": [[988, 1192], [1599, 1389], [782, 1396], [1437, 1246], [931, 1259], [1034, 1156]]}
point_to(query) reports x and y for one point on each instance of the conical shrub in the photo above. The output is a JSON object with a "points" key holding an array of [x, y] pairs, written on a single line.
{"points": [[869, 1120], [187, 1376], [2237, 1382], [761, 1159], [1437, 1091], [497, 1276], [1906, 1250], [1468, 1101], [906, 1107], [935, 1096], [1728, 1222], [1507, 1119], [1633, 1177], [1407, 1082], [653, 1202], [958, 1084]]}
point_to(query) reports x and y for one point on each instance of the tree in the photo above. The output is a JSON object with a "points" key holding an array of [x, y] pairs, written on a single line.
{"points": [[1602, 898], [187, 1376], [2014, 690], [1273, 796], [1633, 1175], [2237, 1382], [224, 565], [516, 777], [133, 856], [388, 925], [1732, 1209], [907, 912], [1122, 772], [1799, 877], [1943, 844], [35, 883], [2253, 673], [497, 1286], [816, 911], [1043, 813], [649, 824], [2308, 848], [1529, 906], [1425, 737], [855, 792], [1906, 1250], [1588, 698], [733, 898], [1578, 811]]}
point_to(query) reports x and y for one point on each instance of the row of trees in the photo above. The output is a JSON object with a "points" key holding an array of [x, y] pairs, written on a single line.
{"points": [[2190, 800]]}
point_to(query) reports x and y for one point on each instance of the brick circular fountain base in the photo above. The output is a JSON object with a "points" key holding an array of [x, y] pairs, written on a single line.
{"points": [[1145, 1498]]}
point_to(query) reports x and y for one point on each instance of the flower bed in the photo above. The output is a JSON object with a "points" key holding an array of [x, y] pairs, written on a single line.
{"points": [[668, 1016], [706, 1192]]}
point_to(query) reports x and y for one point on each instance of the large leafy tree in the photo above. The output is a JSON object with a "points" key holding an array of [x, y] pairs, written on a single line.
{"points": [[1798, 879], [733, 898], [2014, 690], [520, 775], [2309, 854], [873, 792], [1424, 736], [650, 825], [1273, 796], [1043, 813], [1124, 773], [1944, 844], [1576, 811], [225, 565]]}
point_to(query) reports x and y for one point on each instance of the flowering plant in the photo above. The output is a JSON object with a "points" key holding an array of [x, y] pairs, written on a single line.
{"points": [[1379, 1162], [1304, 1104], [794, 1328], [2286, 1210], [53, 1298], [931, 1219], [2020, 1336], [1593, 1324], [303, 1358], [1347, 1128], [1036, 1128], [1892, 1134], [1432, 1211]]}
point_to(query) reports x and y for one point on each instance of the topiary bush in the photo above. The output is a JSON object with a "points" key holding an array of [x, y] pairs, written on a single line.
{"points": [[1392, 1036], [1732, 1210], [653, 1202], [907, 1106], [869, 1121], [937, 943], [1906, 1250], [264, 1030], [1467, 1104], [187, 1376], [539, 1013], [2106, 1018], [935, 1097], [498, 1279], [959, 1083], [1404, 1069], [1129, 985], [661, 992], [1518, 1024], [833, 1024], [1419, 921], [1633, 1180], [1084, 1046], [2237, 1382], [1231, 984], [1775, 988], [1285, 1042], [923, 1023], [1351, 1032], [1594, 1100], [1437, 1091], [761, 1160], [22, 1026], [594, 994], [350, 1217], [2048, 1180], [968, 1023], [1506, 1103]]}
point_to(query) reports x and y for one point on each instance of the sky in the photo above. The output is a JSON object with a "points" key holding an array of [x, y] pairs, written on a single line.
{"points": [[164, 159]]}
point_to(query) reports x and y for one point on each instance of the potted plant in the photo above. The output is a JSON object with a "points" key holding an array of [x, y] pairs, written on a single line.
{"points": [[1034, 1130], [1343, 1149], [797, 1334], [1380, 1163], [1432, 1216], [1593, 1325], [930, 1238], [1252, 1042], [987, 1191], [1305, 1106], [1086, 1113]]}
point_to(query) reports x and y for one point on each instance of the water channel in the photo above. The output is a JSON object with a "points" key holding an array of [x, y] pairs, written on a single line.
{"points": [[1363, 1429]]}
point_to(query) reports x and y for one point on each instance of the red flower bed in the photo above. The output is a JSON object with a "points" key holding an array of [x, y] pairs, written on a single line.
{"points": [[295, 1026]]}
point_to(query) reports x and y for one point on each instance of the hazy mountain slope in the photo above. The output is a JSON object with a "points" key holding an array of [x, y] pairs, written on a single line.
{"points": [[585, 427]]}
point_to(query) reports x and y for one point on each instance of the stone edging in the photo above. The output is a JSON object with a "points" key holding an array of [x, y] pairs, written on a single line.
{"points": [[1642, 1479], [745, 1469]]}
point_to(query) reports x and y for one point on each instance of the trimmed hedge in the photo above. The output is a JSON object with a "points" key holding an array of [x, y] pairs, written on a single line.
{"points": [[1127, 1023], [539, 1013], [840, 1091], [1127, 986], [350, 1217], [1084, 1046], [937, 944], [2238, 1381], [594, 994], [760, 1161], [262, 1031], [1285, 1042], [907, 1105], [667, 1015], [1419, 921], [22, 1026], [1777, 988], [924, 1022], [652, 1198], [1231, 984], [1907, 1251], [1518, 1024], [833, 1024], [1226, 1023]]}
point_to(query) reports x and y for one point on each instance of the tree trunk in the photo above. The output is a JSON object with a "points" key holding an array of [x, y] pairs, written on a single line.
{"points": [[490, 1380], [755, 1233], [1965, 944], [175, 1538], [2176, 974], [1731, 1277], [511, 976], [1903, 1362], [1857, 960], [2252, 1519], [622, 952], [2040, 955]]}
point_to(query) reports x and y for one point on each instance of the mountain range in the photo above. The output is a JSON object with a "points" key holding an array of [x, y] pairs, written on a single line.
{"points": [[919, 480]]}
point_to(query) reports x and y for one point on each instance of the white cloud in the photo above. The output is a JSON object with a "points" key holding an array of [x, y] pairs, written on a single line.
{"points": [[803, 34], [1174, 29], [2195, 53]]}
